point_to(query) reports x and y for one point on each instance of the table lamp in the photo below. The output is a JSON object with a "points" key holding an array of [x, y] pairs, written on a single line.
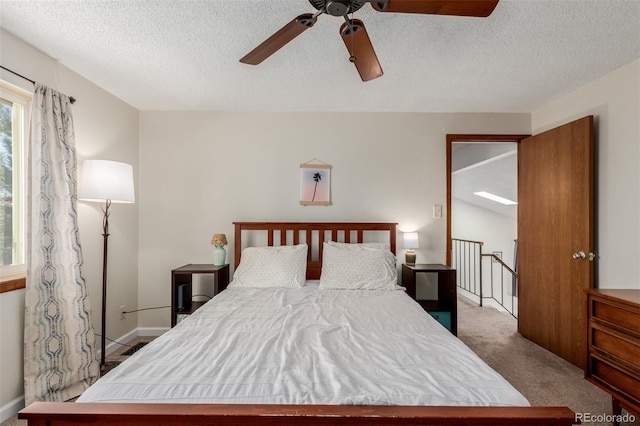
{"points": [[410, 242], [219, 253]]}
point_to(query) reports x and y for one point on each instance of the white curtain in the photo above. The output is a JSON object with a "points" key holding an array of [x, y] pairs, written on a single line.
{"points": [[59, 342]]}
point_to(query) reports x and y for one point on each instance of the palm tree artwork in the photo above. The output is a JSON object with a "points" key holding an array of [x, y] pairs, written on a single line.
{"points": [[315, 184], [317, 177]]}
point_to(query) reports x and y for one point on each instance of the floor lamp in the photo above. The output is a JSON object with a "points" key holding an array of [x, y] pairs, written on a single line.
{"points": [[108, 182]]}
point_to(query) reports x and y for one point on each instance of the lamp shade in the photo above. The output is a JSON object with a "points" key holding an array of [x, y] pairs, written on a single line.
{"points": [[410, 240], [106, 180], [219, 240]]}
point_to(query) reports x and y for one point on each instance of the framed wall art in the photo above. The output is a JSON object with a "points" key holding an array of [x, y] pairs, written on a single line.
{"points": [[315, 184]]}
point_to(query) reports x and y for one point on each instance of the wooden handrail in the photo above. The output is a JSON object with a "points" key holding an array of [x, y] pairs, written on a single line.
{"points": [[514, 273], [468, 241]]}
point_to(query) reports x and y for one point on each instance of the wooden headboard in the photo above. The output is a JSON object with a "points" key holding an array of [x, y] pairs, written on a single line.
{"points": [[314, 234]]}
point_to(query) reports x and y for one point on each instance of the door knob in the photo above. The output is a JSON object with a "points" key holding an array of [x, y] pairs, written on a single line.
{"points": [[581, 256]]}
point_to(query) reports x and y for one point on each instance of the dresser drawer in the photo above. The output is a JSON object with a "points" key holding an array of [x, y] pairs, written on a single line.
{"points": [[615, 315], [617, 380], [613, 352], [624, 347]]}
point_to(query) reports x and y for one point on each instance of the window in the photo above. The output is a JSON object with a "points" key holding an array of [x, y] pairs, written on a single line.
{"points": [[14, 117]]}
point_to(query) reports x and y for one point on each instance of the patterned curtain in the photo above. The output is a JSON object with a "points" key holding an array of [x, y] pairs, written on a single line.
{"points": [[59, 342]]}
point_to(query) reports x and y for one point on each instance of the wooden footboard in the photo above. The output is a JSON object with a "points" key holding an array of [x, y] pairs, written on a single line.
{"points": [[69, 413]]}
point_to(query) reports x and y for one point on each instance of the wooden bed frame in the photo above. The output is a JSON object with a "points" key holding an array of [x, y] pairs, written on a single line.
{"points": [[287, 233]]}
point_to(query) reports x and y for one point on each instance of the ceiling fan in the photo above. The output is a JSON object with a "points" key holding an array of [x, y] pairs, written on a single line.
{"points": [[353, 32]]}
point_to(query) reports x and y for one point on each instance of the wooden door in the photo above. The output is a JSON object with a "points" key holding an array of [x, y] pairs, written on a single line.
{"points": [[555, 221]]}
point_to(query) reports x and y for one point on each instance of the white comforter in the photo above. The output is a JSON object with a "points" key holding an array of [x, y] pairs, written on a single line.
{"points": [[307, 346]]}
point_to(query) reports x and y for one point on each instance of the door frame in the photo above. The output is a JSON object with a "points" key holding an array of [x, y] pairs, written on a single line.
{"points": [[468, 138]]}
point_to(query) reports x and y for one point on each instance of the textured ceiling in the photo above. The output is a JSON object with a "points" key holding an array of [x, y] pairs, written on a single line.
{"points": [[183, 54]]}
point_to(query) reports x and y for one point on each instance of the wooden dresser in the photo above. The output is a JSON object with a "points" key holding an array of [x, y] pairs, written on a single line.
{"points": [[613, 351]]}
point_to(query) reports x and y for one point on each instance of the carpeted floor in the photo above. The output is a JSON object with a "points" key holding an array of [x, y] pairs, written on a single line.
{"points": [[542, 377]]}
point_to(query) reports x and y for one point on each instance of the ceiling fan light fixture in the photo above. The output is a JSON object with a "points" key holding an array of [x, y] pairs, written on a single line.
{"points": [[337, 7]]}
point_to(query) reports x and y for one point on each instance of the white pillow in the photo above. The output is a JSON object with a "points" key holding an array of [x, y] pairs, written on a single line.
{"points": [[383, 246], [278, 266], [356, 267]]}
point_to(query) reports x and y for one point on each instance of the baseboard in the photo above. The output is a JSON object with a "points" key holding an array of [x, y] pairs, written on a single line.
{"points": [[495, 305], [11, 409], [126, 338], [486, 302], [152, 331], [474, 298]]}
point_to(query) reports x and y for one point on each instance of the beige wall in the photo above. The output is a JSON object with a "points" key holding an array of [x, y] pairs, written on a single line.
{"points": [[11, 342], [614, 101], [106, 128], [199, 172]]}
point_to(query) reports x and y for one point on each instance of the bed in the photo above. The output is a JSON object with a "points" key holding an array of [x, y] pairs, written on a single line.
{"points": [[313, 329]]}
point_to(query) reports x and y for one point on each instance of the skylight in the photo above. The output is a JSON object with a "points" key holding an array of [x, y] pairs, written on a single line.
{"points": [[495, 198]]}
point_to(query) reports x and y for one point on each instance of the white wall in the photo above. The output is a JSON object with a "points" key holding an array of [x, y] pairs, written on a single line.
{"points": [[105, 128], [200, 172], [614, 101], [497, 231]]}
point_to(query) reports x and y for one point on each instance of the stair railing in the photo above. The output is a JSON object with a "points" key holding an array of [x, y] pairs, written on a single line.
{"points": [[507, 279], [471, 266], [467, 261]]}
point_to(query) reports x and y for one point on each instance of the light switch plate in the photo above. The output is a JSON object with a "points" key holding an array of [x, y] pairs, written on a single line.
{"points": [[437, 211]]}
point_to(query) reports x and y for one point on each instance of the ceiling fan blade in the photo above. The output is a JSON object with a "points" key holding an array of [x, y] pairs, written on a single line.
{"points": [[283, 36], [478, 8], [360, 49]]}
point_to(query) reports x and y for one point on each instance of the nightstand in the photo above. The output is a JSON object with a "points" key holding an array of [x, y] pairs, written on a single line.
{"points": [[441, 304], [182, 285]]}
